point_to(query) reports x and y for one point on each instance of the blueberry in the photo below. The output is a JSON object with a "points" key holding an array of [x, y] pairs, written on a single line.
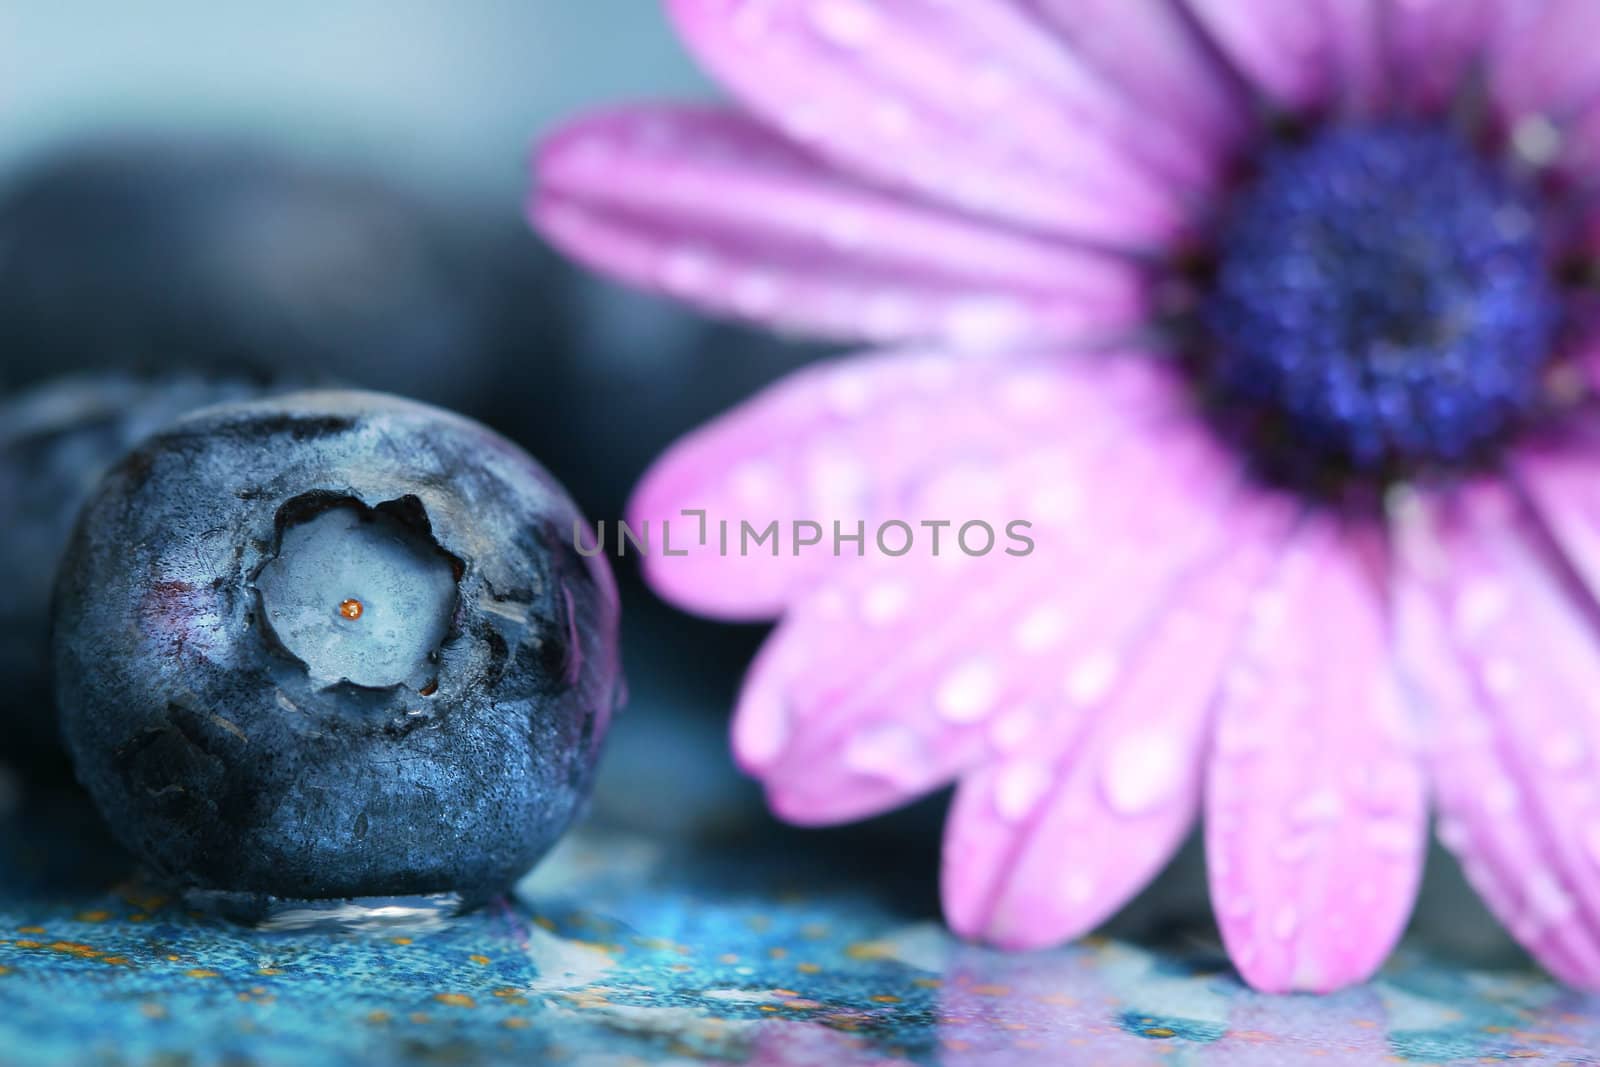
{"points": [[56, 441], [334, 645], [152, 255]]}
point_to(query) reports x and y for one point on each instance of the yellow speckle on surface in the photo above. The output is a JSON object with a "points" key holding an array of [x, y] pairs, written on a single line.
{"points": [[728, 957], [30, 944], [516, 1022], [173, 959], [548, 924], [74, 948], [1160, 1031], [116, 961], [769, 1007], [511, 996], [419, 1017], [885, 998], [777, 952], [4, 970], [30, 929], [926, 983], [786, 992], [481, 961], [93, 916], [680, 968], [377, 1016], [270, 972], [400, 940], [200, 972], [151, 1010], [807, 968], [813, 931], [992, 990], [455, 1000], [867, 950]]}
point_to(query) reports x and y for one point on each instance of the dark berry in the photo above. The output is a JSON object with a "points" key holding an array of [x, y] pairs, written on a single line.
{"points": [[334, 645], [151, 256], [56, 441]]}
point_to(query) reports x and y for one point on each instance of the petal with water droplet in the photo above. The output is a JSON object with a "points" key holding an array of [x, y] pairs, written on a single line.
{"points": [[1290, 824], [1125, 781], [1519, 826]]}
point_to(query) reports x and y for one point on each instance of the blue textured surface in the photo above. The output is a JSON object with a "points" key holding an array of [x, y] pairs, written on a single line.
{"points": [[694, 931]]}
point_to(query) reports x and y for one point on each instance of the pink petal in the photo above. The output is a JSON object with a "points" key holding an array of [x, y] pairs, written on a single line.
{"points": [[1433, 46], [1159, 59], [711, 207], [1049, 839], [1359, 54], [1315, 818], [1503, 651], [874, 706], [973, 104], [861, 441], [1544, 61], [1283, 48]]}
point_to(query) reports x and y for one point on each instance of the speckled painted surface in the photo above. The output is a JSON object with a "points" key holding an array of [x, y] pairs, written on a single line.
{"points": [[681, 925]]}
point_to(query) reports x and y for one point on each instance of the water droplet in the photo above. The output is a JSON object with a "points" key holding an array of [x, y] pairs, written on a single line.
{"points": [[884, 602], [1011, 729], [1501, 676], [968, 693], [351, 609], [1295, 849], [1500, 796], [1547, 902], [1141, 772], [844, 23], [1318, 806], [1092, 678], [1040, 629], [888, 751], [1019, 789], [1480, 607], [1394, 836], [1078, 888], [1453, 835], [1564, 751]]}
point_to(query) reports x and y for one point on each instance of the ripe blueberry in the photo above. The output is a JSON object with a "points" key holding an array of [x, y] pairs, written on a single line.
{"points": [[334, 645]]}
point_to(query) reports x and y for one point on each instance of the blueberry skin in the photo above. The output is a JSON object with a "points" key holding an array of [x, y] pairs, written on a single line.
{"points": [[56, 442], [208, 746]]}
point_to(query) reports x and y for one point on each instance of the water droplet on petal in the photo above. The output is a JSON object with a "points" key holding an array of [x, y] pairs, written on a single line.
{"points": [[844, 23], [1019, 789], [884, 602], [968, 693], [1078, 889], [888, 751], [1141, 772], [1092, 678], [1317, 806], [1394, 836], [1547, 902]]}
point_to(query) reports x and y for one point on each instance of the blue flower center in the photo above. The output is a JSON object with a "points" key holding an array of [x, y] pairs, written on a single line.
{"points": [[1382, 301]]}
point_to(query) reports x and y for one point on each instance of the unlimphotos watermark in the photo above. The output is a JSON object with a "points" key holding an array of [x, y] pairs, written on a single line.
{"points": [[891, 537]]}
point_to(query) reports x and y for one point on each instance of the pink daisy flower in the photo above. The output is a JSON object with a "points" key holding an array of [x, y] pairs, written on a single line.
{"points": [[1272, 319]]}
